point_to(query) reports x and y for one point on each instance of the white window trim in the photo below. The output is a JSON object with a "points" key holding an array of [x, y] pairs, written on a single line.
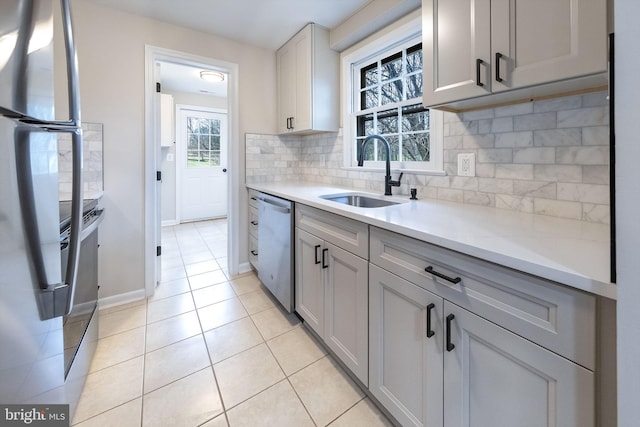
{"points": [[368, 50]]}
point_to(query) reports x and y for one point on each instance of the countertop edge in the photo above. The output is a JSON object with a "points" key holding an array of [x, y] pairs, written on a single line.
{"points": [[558, 273]]}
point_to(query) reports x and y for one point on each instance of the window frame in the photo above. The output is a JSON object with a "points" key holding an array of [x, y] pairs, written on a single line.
{"points": [[367, 52]]}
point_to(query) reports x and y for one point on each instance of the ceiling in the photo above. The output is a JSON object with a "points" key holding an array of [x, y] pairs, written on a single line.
{"points": [[184, 78], [264, 23]]}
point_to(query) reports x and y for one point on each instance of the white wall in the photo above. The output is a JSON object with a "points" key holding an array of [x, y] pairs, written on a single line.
{"points": [[627, 126], [111, 56]]}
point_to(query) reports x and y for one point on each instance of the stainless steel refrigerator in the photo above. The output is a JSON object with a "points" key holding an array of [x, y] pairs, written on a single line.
{"points": [[33, 296]]}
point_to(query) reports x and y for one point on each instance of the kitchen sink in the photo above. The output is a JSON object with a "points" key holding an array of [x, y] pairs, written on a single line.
{"points": [[360, 200]]}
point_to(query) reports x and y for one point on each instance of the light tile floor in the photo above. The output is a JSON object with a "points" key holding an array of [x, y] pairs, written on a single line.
{"points": [[212, 350]]}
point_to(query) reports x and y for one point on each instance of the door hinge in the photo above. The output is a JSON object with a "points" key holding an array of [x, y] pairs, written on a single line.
{"points": [[158, 175], [158, 87], [158, 250]]}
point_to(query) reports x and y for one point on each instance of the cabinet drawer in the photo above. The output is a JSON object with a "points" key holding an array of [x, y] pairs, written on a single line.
{"points": [[554, 316], [253, 221], [253, 251], [253, 198], [346, 233]]}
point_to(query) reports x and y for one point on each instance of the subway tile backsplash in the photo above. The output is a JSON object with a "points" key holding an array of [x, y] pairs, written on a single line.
{"points": [[92, 162], [548, 157]]}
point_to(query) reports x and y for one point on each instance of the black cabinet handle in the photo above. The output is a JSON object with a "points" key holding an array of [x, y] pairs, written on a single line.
{"points": [[254, 222], [316, 257], [324, 253], [442, 276], [288, 123], [479, 62], [499, 56], [430, 332], [254, 253], [450, 345], [253, 198]]}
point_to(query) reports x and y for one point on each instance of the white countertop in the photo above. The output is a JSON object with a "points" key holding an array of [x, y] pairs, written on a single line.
{"points": [[574, 253]]}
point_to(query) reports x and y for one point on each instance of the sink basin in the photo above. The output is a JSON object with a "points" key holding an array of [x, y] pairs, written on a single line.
{"points": [[359, 200]]}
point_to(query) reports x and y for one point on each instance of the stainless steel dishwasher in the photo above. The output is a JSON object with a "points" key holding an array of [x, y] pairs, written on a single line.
{"points": [[275, 247]]}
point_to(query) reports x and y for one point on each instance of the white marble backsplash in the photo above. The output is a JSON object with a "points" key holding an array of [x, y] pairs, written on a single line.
{"points": [[92, 162], [548, 157]]}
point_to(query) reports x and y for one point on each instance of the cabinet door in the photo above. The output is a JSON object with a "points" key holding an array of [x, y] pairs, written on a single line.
{"points": [[455, 35], [309, 287], [547, 40], [302, 45], [494, 377], [167, 133], [286, 86], [346, 320], [405, 366]]}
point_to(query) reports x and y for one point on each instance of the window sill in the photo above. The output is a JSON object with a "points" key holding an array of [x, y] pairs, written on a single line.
{"points": [[382, 170]]}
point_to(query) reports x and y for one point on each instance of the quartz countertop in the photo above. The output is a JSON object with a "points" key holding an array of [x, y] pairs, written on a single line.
{"points": [[570, 252]]}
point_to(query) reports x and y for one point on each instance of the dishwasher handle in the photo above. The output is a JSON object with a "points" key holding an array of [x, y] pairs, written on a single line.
{"points": [[274, 206]]}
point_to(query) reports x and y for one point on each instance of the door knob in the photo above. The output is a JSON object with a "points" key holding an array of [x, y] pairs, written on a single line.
{"points": [[224, 169]]}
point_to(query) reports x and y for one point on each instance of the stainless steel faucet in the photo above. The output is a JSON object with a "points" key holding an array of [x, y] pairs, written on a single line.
{"points": [[388, 182]]}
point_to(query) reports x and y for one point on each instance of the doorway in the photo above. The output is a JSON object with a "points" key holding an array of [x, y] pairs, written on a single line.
{"points": [[201, 139], [153, 157]]}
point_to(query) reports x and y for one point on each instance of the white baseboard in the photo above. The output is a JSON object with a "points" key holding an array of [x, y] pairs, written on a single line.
{"points": [[245, 267], [170, 222], [120, 299]]}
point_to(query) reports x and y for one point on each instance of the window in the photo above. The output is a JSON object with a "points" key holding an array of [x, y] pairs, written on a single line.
{"points": [[385, 90], [203, 142]]}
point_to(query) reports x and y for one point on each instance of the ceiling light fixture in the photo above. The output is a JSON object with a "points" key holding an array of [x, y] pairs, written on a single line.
{"points": [[212, 76]]}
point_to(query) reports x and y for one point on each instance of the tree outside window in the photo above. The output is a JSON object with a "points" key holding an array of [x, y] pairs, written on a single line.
{"points": [[390, 104], [203, 142]]}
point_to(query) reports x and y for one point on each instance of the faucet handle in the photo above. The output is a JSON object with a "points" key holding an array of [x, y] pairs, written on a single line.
{"points": [[396, 183]]}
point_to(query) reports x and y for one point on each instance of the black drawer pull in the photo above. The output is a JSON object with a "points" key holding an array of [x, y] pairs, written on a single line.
{"points": [[430, 332], [499, 56], [316, 255], [442, 276], [253, 198], [254, 222], [450, 345], [479, 62], [254, 253], [324, 253]]}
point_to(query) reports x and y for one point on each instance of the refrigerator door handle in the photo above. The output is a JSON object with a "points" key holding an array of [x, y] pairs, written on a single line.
{"points": [[76, 141]]}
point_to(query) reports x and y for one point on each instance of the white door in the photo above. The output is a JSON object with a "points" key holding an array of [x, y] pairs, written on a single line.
{"points": [[202, 141]]}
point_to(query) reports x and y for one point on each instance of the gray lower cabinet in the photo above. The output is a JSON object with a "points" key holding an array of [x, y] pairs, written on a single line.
{"points": [[332, 285], [253, 228], [405, 365], [433, 363]]}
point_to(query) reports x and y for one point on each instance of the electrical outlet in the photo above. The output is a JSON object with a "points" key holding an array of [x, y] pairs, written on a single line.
{"points": [[466, 164]]}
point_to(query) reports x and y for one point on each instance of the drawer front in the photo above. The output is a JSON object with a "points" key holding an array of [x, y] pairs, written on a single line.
{"points": [[253, 198], [346, 233], [554, 316], [253, 221], [253, 251]]}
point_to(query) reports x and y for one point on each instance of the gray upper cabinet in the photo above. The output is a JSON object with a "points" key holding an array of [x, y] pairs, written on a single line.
{"points": [[308, 83], [474, 48]]}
